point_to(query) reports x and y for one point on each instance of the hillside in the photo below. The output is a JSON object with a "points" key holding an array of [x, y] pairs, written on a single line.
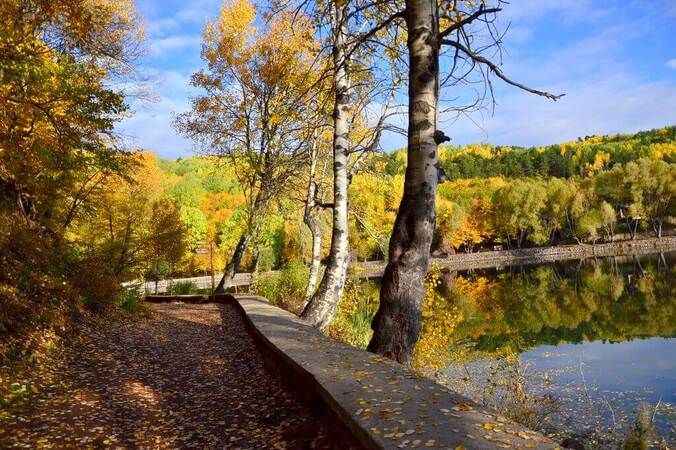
{"points": [[585, 190]]}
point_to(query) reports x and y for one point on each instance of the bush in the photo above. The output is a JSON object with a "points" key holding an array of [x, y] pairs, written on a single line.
{"points": [[352, 323], [182, 288], [91, 275], [285, 288], [131, 299]]}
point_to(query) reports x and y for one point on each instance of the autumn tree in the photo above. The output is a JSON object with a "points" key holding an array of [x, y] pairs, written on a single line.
{"points": [[254, 109], [61, 62], [352, 86], [57, 106], [430, 26], [640, 190], [130, 228]]}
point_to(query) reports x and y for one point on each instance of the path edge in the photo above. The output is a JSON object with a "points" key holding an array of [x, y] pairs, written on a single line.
{"points": [[295, 375]]}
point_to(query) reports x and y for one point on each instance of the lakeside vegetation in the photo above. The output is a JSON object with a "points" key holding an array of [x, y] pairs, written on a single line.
{"points": [[170, 218], [618, 180], [478, 314]]}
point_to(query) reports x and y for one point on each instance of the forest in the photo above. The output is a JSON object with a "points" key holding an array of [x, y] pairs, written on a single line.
{"points": [[500, 196], [291, 173], [287, 115]]}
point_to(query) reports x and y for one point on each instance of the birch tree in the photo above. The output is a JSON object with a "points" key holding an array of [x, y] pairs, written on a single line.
{"points": [[322, 305], [397, 323], [254, 109], [312, 213], [344, 44]]}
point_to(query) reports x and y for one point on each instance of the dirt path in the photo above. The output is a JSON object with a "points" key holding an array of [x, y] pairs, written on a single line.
{"points": [[186, 376]]}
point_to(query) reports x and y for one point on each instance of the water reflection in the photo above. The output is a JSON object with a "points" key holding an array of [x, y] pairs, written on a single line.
{"points": [[593, 336]]}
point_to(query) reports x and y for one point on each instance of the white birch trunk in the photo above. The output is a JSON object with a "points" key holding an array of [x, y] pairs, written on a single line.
{"points": [[397, 323], [322, 307], [311, 219]]}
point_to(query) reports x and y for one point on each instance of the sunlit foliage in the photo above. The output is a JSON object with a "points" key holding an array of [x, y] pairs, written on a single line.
{"points": [[64, 178]]}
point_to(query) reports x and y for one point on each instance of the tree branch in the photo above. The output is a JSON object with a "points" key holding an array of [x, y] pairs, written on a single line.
{"points": [[496, 70], [467, 20], [366, 36]]}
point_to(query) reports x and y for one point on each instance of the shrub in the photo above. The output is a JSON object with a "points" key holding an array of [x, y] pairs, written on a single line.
{"points": [[285, 288], [182, 288], [352, 323], [130, 299]]}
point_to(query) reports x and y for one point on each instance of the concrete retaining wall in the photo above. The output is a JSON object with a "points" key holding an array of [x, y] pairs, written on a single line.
{"points": [[479, 260], [383, 404]]}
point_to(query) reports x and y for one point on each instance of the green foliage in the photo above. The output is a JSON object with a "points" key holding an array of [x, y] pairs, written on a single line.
{"points": [[580, 158], [642, 432], [520, 204], [183, 288], [131, 299], [158, 270], [188, 191], [196, 225], [352, 323], [285, 288]]}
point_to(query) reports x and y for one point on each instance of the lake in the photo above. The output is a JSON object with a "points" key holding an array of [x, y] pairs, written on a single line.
{"points": [[573, 349]]}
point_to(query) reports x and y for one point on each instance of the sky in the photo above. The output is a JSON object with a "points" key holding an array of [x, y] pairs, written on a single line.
{"points": [[614, 59]]}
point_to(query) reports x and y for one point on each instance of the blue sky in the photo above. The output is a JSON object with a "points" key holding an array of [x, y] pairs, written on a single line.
{"points": [[614, 59]]}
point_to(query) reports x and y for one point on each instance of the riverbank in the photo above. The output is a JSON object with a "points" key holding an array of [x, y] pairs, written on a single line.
{"points": [[465, 261], [541, 255]]}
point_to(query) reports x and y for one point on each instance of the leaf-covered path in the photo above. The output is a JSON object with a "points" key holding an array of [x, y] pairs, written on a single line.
{"points": [[184, 376]]}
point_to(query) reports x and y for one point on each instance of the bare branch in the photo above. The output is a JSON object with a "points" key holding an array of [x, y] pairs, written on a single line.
{"points": [[497, 71], [467, 20]]}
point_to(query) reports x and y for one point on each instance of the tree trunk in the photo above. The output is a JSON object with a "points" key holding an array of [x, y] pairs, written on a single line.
{"points": [[233, 265], [311, 219], [396, 325], [634, 229], [322, 307]]}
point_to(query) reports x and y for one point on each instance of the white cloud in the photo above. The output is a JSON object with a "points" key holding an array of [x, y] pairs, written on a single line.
{"points": [[161, 27], [150, 127], [672, 63], [172, 43], [604, 94]]}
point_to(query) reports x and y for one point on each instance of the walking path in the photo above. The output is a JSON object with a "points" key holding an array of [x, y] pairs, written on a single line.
{"points": [[185, 376]]}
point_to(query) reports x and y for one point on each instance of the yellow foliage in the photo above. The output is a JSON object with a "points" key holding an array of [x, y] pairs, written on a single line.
{"points": [[663, 150], [227, 37], [440, 318]]}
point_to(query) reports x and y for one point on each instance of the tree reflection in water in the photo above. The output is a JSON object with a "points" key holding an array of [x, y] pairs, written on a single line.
{"points": [[568, 348], [521, 340]]}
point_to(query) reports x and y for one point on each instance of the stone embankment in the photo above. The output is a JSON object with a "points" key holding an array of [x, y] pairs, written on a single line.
{"points": [[543, 255], [478, 260]]}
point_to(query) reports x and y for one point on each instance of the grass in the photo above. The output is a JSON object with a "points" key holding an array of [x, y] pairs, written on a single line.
{"points": [[183, 288], [285, 288], [130, 299], [352, 324]]}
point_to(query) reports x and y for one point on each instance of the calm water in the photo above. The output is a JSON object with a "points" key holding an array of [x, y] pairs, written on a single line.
{"points": [[586, 343]]}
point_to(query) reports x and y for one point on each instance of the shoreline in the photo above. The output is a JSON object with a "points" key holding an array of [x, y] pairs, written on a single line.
{"points": [[469, 261]]}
